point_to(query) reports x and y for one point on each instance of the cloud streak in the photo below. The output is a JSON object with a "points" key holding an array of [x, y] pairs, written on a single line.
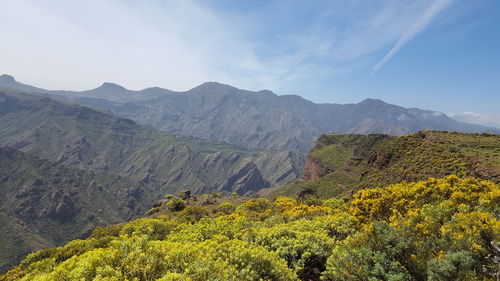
{"points": [[420, 24], [179, 44]]}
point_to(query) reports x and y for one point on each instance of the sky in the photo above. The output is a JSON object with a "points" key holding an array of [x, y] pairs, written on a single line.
{"points": [[441, 55]]}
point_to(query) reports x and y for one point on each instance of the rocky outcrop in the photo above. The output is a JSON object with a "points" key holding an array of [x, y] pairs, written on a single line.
{"points": [[65, 209], [314, 170], [40, 205]]}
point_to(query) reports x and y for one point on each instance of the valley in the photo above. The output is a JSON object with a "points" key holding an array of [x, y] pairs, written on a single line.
{"points": [[74, 166], [102, 155], [209, 140]]}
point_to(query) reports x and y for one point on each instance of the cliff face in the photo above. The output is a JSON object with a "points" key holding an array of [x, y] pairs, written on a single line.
{"points": [[313, 169], [339, 164]]}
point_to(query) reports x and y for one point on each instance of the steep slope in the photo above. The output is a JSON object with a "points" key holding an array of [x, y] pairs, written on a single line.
{"points": [[44, 204], [83, 137], [66, 168], [339, 164], [262, 119]]}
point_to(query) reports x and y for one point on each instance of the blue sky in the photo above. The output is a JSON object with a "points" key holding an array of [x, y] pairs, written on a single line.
{"points": [[434, 54]]}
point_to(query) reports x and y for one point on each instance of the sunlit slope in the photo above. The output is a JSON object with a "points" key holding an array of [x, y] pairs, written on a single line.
{"points": [[339, 164], [431, 230]]}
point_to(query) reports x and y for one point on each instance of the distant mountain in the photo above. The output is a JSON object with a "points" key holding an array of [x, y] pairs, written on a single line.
{"points": [[66, 168], [79, 136], [341, 164], [8, 81], [261, 119]]}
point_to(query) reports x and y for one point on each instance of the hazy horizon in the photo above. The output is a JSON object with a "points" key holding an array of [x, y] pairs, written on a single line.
{"points": [[438, 55]]}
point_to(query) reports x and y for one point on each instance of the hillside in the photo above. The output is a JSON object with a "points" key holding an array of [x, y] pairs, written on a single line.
{"points": [[45, 204], [444, 229], [66, 168], [261, 120], [339, 164], [79, 136]]}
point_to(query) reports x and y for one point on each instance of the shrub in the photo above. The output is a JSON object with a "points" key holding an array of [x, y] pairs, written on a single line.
{"points": [[176, 204], [444, 229], [193, 214], [225, 208]]}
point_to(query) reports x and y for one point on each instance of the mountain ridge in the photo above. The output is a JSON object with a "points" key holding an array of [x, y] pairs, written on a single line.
{"points": [[134, 165], [198, 112], [339, 165], [83, 126]]}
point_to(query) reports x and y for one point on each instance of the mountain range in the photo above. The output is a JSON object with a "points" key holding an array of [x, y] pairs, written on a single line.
{"points": [[71, 161], [255, 120]]}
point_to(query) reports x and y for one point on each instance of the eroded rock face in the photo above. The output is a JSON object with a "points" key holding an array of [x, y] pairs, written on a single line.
{"points": [[247, 179], [65, 210], [38, 205], [74, 153], [313, 169], [347, 163], [44, 204]]}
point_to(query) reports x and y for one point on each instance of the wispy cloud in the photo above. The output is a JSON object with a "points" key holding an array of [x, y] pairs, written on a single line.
{"points": [[434, 9], [490, 120], [179, 44]]}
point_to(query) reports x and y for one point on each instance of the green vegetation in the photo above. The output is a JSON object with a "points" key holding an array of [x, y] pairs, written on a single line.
{"points": [[69, 169], [341, 164], [431, 230]]}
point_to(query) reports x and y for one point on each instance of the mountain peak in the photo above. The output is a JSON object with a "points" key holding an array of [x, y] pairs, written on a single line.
{"points": [[213, 85], [111, 86], [209, 87], [7, 78], [372, 101]]}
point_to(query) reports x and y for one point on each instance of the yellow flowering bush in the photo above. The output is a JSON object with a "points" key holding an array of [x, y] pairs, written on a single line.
{"points": [[440, 229]]}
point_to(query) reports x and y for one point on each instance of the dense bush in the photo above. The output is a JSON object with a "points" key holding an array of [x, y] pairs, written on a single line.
{"points": [[433, 230], [176, 204]]}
